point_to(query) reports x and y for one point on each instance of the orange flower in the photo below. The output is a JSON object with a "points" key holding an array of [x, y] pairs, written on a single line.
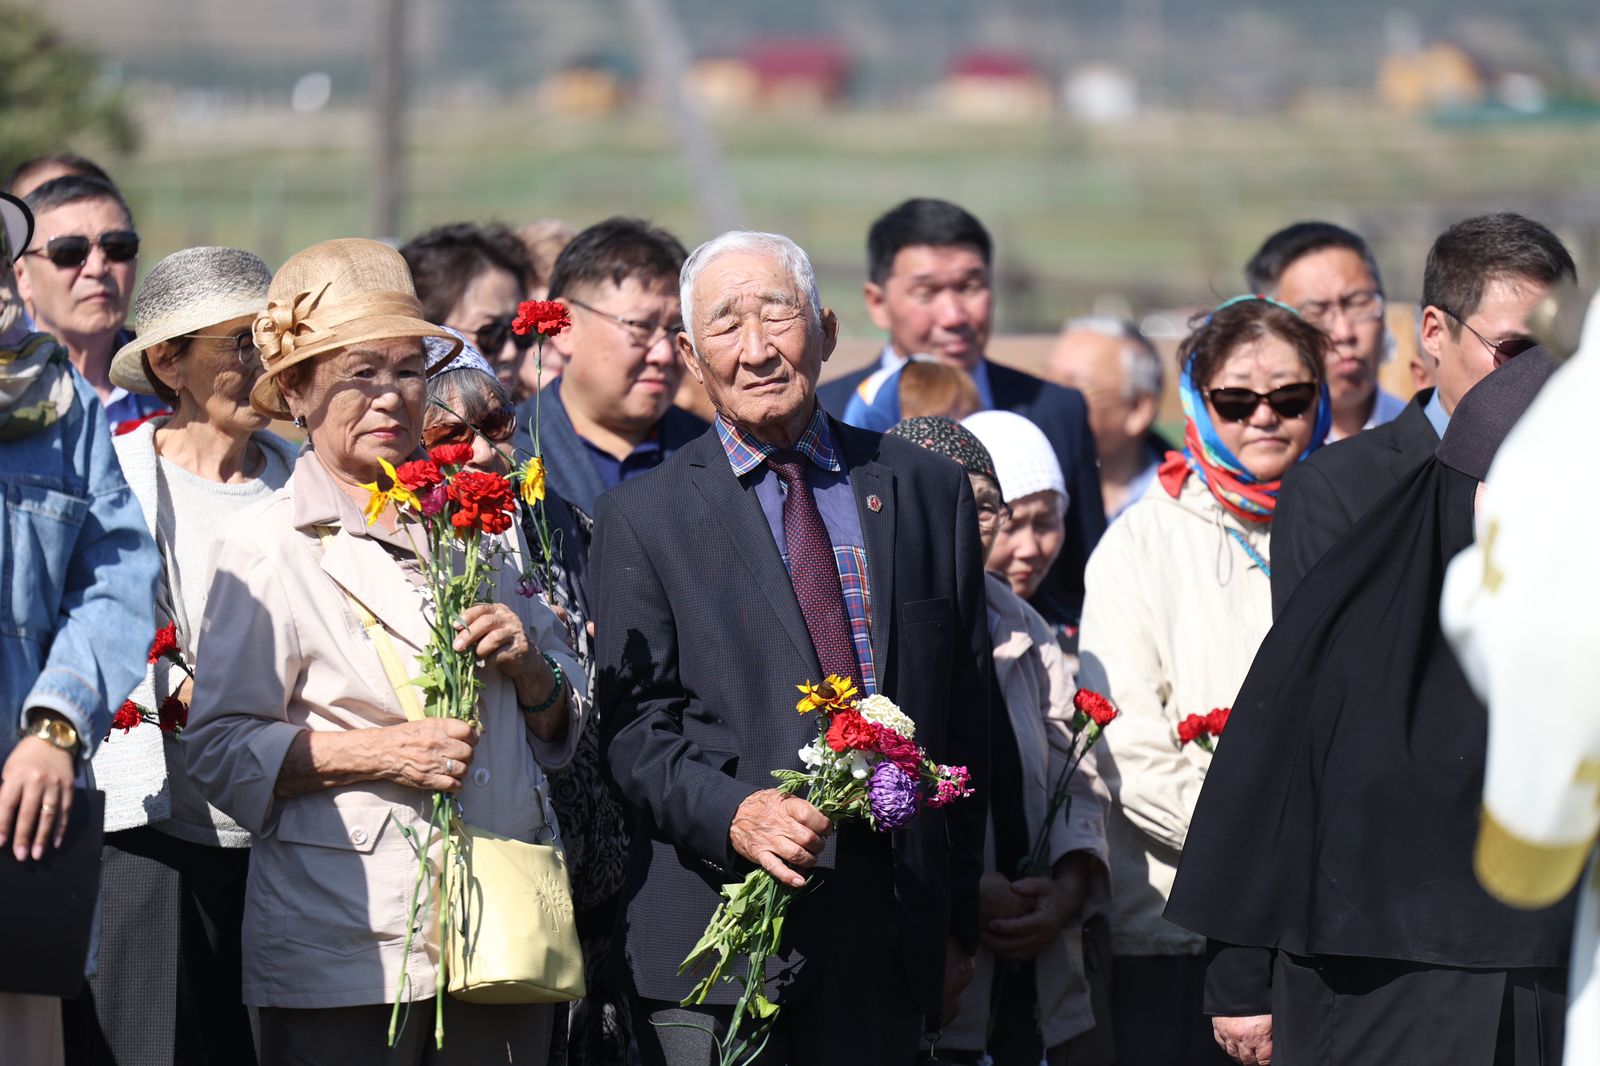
{"points": [[835, 694]]}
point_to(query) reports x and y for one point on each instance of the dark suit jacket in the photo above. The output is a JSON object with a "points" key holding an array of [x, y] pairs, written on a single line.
{"points": [[1324, 496], [835, 394], [1064, 417], [701, 645], [570, 471]]}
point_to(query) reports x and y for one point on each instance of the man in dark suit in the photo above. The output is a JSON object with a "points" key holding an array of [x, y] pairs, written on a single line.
{"points": [[1483, 278], [782, 547], [929, 265], [609, 417]]}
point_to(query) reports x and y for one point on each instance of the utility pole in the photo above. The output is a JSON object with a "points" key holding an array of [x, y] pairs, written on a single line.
{"points": [[388, 106], [664, 49]]}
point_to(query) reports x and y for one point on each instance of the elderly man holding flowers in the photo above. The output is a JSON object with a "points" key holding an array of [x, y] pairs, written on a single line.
{"points": [[324, 604], [783, 548]]}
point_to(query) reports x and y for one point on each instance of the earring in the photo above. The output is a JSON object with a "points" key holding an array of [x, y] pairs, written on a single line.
{"points": [[299, 421]]}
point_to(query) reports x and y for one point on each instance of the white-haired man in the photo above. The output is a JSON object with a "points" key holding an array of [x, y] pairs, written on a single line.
{"points": [[1118, 371], [779, 548]]}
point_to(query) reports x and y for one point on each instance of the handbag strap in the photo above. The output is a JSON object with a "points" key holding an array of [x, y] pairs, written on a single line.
{"points": [[404, 688]]}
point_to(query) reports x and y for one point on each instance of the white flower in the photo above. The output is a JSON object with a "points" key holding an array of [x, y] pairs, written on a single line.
{"points": [[812, 754], [860, 767], [881, 710]]}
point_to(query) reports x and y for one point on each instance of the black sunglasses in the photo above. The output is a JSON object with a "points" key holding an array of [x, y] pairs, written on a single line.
{"points": [[1289, 401], [492, 336], [119, 246], [498, 427], [1503, 351]]}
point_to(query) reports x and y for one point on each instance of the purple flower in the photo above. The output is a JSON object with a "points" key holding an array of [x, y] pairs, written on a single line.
{"points": [[528, 585], [434, 499], [892, 794]]}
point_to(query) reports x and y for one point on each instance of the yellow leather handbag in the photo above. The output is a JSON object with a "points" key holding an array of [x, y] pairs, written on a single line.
{"points": [[513, 938]]}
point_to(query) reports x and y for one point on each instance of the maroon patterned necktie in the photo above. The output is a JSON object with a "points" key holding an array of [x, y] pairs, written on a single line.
{"points": [[814, 571]]}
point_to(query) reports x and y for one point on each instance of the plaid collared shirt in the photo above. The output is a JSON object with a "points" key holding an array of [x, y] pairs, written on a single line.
{"points": [[747, 455]]}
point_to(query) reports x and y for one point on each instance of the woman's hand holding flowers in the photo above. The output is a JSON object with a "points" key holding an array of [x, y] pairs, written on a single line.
{"points": [[497, 636], [431, 754], [1051, 903]]}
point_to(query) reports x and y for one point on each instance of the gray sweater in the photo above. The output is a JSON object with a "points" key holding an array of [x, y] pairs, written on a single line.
{"points": [[141, 771]]}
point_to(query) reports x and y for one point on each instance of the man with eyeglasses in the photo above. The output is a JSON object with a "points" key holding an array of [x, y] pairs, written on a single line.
{"points": [[1331, 277], [610, 417], [77, 275], [1483, 278]]}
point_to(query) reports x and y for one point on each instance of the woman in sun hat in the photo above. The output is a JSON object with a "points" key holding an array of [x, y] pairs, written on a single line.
{"points": [[173, 866], [297, 731]]}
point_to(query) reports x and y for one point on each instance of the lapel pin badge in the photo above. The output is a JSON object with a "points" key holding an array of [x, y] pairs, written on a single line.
{"points": [[874, 504]]}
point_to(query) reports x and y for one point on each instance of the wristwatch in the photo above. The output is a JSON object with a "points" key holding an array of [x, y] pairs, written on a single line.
{"points": [[54, 730]]}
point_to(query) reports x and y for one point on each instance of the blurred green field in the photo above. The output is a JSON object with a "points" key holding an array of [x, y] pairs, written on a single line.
{"points": [[1156, 214]]}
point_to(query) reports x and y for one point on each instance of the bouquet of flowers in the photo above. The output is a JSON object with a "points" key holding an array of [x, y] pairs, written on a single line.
{"points": [[1092, 713], [1203, 729], [173, 714], [863, 763]]}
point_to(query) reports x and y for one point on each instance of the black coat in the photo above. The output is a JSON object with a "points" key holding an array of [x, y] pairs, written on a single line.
{"points": [[1064, 417], [701, 645], [1323, 497]]}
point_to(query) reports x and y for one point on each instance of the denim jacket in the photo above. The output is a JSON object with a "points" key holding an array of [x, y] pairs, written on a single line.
{"points": [[77, 576]]}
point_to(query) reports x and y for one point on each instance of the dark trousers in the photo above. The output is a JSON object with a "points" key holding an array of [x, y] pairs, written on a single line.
{"points": [[167, 990], [475, 1034], [1156, 1013], [1331, 1009]]}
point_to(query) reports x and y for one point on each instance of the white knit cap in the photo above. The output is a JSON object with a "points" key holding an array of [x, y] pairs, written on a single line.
{"points": [[1022, 454]]}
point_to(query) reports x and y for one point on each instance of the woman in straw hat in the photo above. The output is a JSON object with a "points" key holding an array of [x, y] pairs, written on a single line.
{"points": [[300, 735], [168, 980]]}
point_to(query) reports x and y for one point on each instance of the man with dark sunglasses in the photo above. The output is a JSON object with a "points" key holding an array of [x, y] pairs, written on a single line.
{"points": [[77, 276], [1484, 276]]}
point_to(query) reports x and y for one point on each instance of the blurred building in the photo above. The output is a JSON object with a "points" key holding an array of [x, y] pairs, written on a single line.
{"points": [[1430, 78], [993, 85]]}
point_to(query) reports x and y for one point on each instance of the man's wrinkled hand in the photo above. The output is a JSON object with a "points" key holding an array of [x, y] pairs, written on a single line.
{"points": [[781, 834], [1248, 1041]]}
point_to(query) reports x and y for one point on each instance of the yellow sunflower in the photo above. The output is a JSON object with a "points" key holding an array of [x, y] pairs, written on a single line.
{"points": [[531, 484], [395, 493], [835, 694]]}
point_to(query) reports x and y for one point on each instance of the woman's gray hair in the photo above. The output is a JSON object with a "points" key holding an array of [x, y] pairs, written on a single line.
{"points": [[789, 255], [466, 392]]}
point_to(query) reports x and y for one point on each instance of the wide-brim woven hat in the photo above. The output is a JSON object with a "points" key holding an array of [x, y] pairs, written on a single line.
{"points": [[330, 296], [189, 292], [18, 223]]}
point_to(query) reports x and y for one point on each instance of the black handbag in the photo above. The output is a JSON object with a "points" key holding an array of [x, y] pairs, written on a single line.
{"points": [[49, 905]]}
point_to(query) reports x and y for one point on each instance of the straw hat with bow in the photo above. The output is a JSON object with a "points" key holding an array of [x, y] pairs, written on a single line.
{"points": [[330, 296]]}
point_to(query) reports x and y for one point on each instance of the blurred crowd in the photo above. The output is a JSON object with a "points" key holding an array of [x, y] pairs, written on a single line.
{"points": [[1269, 855]]}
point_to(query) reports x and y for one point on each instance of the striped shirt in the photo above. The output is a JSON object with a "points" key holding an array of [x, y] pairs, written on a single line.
{"points": [[830, 485]]}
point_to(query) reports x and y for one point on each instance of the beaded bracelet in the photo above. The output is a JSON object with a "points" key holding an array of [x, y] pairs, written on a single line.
{"points": [[555, 692]]}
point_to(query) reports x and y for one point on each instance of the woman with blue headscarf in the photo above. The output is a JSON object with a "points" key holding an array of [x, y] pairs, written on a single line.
{"points": [[1177, 599]]}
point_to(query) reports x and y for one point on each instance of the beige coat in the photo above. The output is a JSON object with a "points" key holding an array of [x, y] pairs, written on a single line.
{"points": [[281, 651], [1034, 679], [1173, 612]]}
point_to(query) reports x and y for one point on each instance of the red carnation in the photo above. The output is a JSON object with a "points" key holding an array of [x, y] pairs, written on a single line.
{"points": [[450, 455], [898, 750], [1217, 720], [419, 474], [850, 732], [1097, 707], [166, 642], [483, 501], [174, 715], [1192, 728], [127, 716], [540, 316]]}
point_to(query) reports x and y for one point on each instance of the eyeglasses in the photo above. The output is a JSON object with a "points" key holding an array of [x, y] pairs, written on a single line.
{"points": [[1503, 351], [1357, 307], [244, 345], [492, 336], [498, 427], [644, 335], [991, 516], [119, 246], [1289, 401]]}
